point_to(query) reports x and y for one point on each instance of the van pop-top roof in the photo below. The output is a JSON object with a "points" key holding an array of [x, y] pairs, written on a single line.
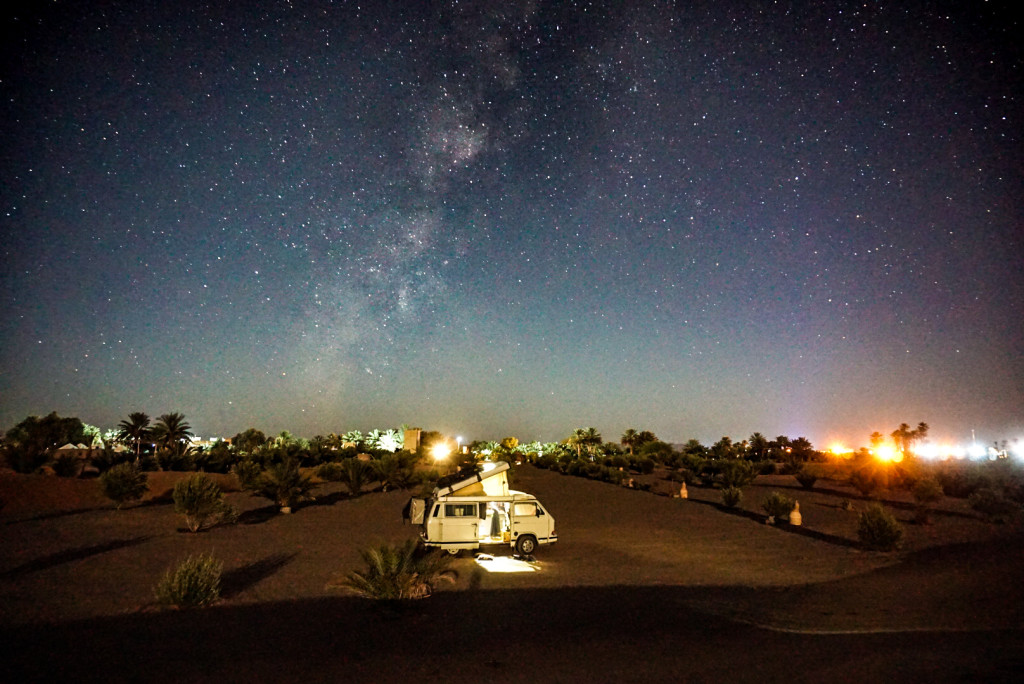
{"points": [[492, 480]]}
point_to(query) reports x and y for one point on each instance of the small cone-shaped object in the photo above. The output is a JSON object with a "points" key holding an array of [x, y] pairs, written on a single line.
{"points": [[794, 516], [683, 494]]}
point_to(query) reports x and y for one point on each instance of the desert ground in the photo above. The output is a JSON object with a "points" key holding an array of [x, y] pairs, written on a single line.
{"points": [[642, 586]]}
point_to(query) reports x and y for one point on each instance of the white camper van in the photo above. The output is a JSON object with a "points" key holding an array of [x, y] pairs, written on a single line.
{"points": [[481, 510]]}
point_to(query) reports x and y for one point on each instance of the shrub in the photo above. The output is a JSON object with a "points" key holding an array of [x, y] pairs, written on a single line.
{"points": [[105, 459], [993, 505], [194, 582], [612, 475], [248, 473], [878, 530], [400, 572], [200, 499], [806, 477], [926, 491], [284, 484], [330, 471], [777, 506], [66, 465], [693, 467], [731, 496], [392, 471], [738, 473], [646, 465], [123, 483], [864, 480], [354, 475]]}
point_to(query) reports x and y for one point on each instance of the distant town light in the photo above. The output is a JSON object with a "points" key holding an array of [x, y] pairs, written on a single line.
{"points": [[440, 451], [888, 454]]}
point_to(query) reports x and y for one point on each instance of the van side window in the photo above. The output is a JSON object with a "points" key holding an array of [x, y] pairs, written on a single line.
{"points": [[525, 509], [460, 510]]}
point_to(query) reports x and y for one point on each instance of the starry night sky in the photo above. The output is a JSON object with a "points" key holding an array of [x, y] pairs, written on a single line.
{"points": [[515, 218]]}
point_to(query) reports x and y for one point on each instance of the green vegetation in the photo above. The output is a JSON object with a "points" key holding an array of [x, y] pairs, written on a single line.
{"points": [[731, 496], [284, 484], [124, 483], [172, 436], [807, 476], [248, 473], [201, 500], [355, 475], [878, 530], [30, 444], [737, 474], [993, 505], [195, 582], [926, 491], [400, 572], [777, 506], [329, 472]]}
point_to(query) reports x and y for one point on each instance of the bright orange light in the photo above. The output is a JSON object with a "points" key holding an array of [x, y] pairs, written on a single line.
{"points": [[839, 450], [440, 451], [888, 453]]}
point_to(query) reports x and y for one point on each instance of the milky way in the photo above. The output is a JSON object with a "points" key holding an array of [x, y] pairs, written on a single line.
{"points": [[494, 218]]}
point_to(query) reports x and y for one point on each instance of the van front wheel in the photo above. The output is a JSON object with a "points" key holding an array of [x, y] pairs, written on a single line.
{"points": [[526, 545]]}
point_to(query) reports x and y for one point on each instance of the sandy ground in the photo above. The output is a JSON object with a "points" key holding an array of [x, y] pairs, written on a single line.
{"points": [[71, 566]]}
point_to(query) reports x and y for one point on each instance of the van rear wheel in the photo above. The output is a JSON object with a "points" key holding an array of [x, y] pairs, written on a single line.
{"points": [[526, 545]]}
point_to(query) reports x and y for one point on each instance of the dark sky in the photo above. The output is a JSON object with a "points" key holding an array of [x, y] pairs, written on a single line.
{"points": [[515, 218]]}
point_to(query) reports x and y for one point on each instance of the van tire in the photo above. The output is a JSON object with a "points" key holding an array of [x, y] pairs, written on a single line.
{"points": [[526, 545]]}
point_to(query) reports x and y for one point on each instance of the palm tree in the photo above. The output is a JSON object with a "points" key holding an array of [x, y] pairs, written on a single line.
{"points": [[584, 437], [172, 433], [629, 439], [373, 439], [919, 433], [757, 445], [902, 436], [134, 431], [354, 437]]}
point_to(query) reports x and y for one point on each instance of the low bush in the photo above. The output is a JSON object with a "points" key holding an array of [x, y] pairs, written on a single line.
{"points": [[926, 492], [806, 477], [123, 483], [284, 484], [878, 530], [777, 506], [66, 465], [248, 473], [738, 474], [201, 500], [355, 475], [193, 583], [393, 471], [731, 496], [400, 572], [993, 505], [646, 465], [330, 471], [104, 460], [865, 481]]}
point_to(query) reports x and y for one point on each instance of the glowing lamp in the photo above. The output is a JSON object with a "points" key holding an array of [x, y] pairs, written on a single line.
{"points": [[440, 451]]}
